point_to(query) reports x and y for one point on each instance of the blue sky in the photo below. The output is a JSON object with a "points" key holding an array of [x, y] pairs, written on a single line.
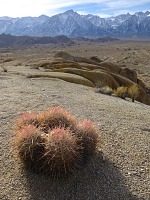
{"points": [[103, 8]]}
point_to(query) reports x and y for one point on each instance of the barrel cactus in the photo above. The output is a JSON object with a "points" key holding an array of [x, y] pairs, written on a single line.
{"points": [[89, 134], [54, 142]]}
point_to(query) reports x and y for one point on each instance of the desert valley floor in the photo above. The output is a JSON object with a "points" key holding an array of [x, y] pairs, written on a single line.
{"points": [[120, 168]]}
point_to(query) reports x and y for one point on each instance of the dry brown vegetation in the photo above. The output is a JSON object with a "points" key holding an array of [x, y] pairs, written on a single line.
{"points": [[121, 92], [120, 168], [134, 92]]}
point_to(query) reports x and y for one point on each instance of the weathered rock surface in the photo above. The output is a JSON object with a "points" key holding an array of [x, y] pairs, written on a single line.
{"points": [[130, 74], [84, 71], [94, 71]]}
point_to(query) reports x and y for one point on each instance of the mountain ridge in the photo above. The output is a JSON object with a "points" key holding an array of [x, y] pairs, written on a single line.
{"points": [[72, 24], [7, 40]]}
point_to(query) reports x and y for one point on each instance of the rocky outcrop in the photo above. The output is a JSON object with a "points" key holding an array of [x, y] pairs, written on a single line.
{"points": [[111, 67], [92, 72], [96, 59], [69, 57], [63, 76], [130, 74], [97, 78]]}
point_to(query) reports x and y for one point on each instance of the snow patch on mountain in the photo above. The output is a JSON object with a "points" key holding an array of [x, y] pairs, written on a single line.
{"points": [[71, 23]]}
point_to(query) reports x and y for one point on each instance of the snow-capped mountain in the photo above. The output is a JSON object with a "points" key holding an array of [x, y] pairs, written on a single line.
{"points": [[72, 24]]}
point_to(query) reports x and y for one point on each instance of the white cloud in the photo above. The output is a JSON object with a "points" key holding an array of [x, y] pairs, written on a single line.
{"points": [[104, 15], [18, 8], [82, 12], [125, 4]]}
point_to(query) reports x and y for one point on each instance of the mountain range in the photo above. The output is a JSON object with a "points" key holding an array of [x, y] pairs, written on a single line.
{"points": [[72, 24]]}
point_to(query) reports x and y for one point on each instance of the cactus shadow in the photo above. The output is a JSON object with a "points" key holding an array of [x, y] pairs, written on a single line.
{"points": [[97, 180]]}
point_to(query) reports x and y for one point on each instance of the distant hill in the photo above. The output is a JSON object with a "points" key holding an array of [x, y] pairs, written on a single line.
{"points": [[72, 24], [97, 40], [17, 41], [7, 40]]}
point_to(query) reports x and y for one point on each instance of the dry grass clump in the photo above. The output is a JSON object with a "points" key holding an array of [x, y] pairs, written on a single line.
{"points": [[54, 142], [133, 92], [104, 90], [121, 92]]}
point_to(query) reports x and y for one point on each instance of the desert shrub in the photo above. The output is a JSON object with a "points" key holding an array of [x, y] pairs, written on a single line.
{"points": [[133, 92], [54, 142], [121, 92], [104, 90]]}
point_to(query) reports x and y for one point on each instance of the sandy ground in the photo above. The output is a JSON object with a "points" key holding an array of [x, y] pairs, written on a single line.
{"points": [[120, 168], [118, 171]]}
